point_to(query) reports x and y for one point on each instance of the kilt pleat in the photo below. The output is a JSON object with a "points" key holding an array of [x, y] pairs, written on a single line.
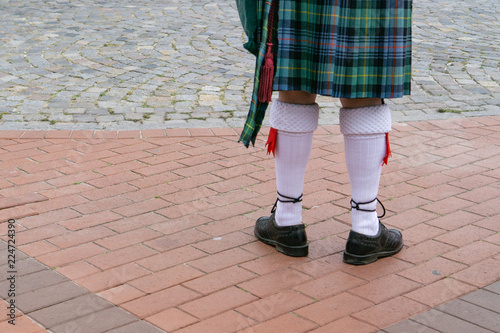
{"points": [[338, 48], [345, 48]]}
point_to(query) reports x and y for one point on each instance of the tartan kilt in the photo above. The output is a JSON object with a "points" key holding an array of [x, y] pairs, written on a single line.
{"points": [[344, 48]]}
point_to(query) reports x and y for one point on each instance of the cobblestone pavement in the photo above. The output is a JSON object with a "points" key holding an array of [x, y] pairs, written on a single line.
{"points": [[88, 64]]}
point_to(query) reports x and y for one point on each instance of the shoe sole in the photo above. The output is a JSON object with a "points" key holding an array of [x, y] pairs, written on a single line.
{"points": [[353, 259], [292, 251]]}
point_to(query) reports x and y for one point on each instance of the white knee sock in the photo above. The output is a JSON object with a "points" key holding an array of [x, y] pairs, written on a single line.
{"points": [[365, 148], [295, 125], [364, 155], [292, 155]]}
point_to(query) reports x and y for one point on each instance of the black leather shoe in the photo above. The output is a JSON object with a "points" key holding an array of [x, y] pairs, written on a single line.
{"points": [[289, 240], [361, 249]]}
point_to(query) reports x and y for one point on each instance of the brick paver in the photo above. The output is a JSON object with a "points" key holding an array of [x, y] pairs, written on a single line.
{"points": [[142, 256], [149, 228], [474, 312]]}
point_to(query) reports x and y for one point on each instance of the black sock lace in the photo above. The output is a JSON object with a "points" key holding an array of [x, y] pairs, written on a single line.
{"points": [[355, 205], [293, 200]]}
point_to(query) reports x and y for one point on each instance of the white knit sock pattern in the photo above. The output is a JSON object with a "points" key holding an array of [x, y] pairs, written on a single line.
{"points": [[294, 118], [295, 124], [365, 148], [366, 120]]}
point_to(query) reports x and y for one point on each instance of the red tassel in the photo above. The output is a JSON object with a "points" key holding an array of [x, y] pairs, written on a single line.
{"points": [[266, 76], [271, 141], [388, 149]]}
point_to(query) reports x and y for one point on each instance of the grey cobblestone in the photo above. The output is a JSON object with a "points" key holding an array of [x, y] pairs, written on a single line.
{"points": [[174, 63]]}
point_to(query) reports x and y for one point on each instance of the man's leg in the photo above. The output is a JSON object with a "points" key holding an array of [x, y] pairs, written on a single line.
{"points": [[364, 124], [295, 117], [295, 121]]}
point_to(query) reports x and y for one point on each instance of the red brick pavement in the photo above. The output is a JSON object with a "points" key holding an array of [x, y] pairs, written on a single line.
{"points": [[159, 223]]}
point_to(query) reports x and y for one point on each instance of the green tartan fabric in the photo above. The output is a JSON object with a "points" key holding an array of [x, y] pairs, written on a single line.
{"points": [[257, 109], [345, 48], [250, 20], [338, 48]]}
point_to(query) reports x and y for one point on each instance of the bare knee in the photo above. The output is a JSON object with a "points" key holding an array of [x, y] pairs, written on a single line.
{"points": [[351, 103], [297, 97]]}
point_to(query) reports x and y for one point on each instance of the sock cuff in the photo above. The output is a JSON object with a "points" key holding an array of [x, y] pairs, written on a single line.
{"points": [[366, 120], [294, 118]]}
